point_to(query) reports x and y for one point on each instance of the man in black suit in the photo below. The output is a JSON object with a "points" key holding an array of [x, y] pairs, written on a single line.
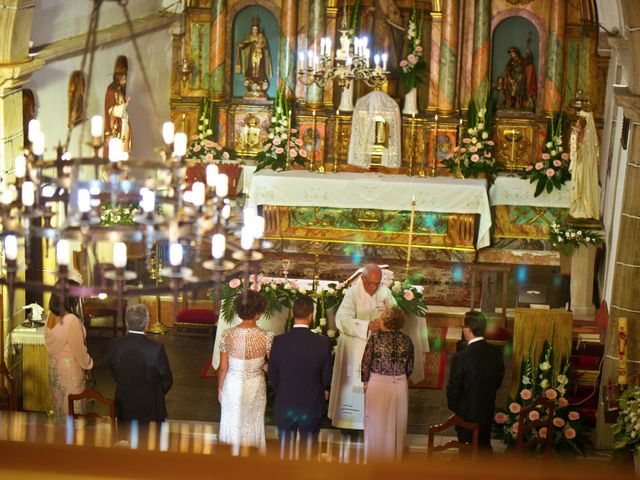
{"points": [[300, 373], [140, 368], [476, 374]]}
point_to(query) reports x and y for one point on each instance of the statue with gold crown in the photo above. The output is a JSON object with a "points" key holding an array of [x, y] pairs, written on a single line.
{"points": [[375, 132], [254, 61]]}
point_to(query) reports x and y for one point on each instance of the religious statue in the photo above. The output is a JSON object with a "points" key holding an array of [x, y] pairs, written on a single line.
{"points": [[585, 197], [116, 116], [388, 30], [254, 61], [76, 99], [248, 138], [519, 87]]}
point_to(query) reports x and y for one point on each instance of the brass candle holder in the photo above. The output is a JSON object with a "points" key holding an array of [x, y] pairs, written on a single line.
{"points": [[287, 165], [336, 149], [458, 173], [410, 242], [435, 148], [412, 144]]}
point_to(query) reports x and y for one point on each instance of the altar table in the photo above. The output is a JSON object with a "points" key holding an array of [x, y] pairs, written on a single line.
{"points": [[377, 191], [29, 344]]}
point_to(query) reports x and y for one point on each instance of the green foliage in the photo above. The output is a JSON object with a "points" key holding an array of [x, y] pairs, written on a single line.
{"points": [[626, 431], [120, 214], [566, 238]]}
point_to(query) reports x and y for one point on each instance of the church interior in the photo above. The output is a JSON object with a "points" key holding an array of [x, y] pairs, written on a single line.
{"points": [[179, 153]]}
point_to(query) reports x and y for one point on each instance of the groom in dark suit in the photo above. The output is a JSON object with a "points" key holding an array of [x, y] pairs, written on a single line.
{"points": [[140, 368], [300, 373], [475, 376]]}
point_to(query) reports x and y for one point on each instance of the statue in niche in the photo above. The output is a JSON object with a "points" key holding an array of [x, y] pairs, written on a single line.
{"points": [[519, 86], [76, 99], [254, 61], [387, 30]]}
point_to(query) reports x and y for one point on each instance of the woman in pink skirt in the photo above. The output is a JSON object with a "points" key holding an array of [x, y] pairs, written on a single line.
{"points": [[386, 364]]}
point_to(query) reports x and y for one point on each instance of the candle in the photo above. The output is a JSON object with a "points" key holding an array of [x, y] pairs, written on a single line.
{"points": [[413, 213], [168, 132], [34, 127], [175, 254], [180, 144], [198, 194], [37, 144], [119, 255], [62, 253], [246, 238], [97, 126], [11, 247], [222, 185], [328, 47], [148, 203], [218, 245], [257, 227], [84, 200], [115, 149], [20, 166], [28, 194], [385, 57], [248, 214], [300, 60], [212, 174]]}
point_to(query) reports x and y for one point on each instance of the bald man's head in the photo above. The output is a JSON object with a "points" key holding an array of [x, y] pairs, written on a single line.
{"points": [[371, 278]]}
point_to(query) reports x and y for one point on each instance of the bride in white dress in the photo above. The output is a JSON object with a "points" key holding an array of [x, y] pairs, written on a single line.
{"points": [[242, 389]]}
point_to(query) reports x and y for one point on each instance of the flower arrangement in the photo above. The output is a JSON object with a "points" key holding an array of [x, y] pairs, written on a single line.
{"points": [[408, 298], [203, 146], [546, 381], [552, 170], [566, 238], [412, 67], [120, 214], [283, 146], [474, 153], [627, 428]]}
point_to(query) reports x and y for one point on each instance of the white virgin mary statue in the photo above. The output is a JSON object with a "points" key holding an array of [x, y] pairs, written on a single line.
{"points": [[375, 107], [585, 157]]}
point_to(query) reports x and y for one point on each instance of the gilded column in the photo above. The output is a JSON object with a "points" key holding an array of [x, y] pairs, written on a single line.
{"points": [[218, 42], [434, 60], [288, 46], [317, 9], [448, 56], [555, 57], [481, 48]]}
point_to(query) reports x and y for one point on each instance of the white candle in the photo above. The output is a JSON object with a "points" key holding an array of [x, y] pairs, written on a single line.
{"points": [[385, 57], [323, 43], [84, 200], [222, 185], [218, 245], [37, 144], [7, 196], [246, 238], [115, 149], [376, 60], [11, 247], [34, 127], [248, 214], [119, 255], [20, 166], [62, 253], [148, 203], [328, 47], [257, 227], [226, 211], [180, 144], [28, 194], [168, 132], [300, 60], [212, 174], [198, 194], [175, 254], [97, 126]]}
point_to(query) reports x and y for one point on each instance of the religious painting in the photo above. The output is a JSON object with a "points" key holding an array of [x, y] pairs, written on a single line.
{"points": [[441, 145], [250, 126], [313, 136], [76, 99], [515, 63], [256, 35]]}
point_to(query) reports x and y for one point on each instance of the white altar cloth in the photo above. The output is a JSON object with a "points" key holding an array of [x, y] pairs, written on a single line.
{"points": [[27, 336], [374, 190], [519, 191]]}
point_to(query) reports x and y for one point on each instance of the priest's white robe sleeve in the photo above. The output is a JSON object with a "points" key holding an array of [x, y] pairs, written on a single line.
{"points": [[346, 320]]}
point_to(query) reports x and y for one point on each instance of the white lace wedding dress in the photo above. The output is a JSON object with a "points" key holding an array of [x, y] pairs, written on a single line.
{"points": [[244, 392]]}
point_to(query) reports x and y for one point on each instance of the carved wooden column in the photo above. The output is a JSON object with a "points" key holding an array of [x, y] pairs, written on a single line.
{"points": [[317, 9], [555, 58], [434, 60], [448, 57], [218, 41], [288, 46], [481, 50]]}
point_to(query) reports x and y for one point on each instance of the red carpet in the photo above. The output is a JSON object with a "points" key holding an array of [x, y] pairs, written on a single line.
{"points": [[434, 362]]}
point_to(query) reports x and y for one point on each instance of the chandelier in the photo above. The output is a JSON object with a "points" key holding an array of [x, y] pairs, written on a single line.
{"points": [[58, 203]]}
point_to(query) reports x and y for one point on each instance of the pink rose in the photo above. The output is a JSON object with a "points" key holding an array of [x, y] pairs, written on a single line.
{"points": [[515, 427], [557, 163], [266, 280], [207, 143], [194, 137], [404, 63], [534, 415], [217, 146], [293, 153], [279, 281], [546, 156], [573, 416], [294, 130], [253, 277], [197, 148], [551, 394], [487, 154], [543, 432], [267, 147], [418, 48], [299, 142], [277, 141], [209, 157], [473, 149], [340, 286], [550, 172], [539, 166], [529, 168], [303, 153], [558, 422], [475, 157], [256, 287], [565, 156], [234, 283], [466, 140], [408, 295], [570, 433], [563, 402], [225, 155], [525, 394], [279, 150], [515, 408], [491, 142], [411, 57], [462, 150], [500, 418]]}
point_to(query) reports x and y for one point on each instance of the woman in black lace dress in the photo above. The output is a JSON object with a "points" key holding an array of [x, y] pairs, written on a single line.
{"points": [[386, 364]]}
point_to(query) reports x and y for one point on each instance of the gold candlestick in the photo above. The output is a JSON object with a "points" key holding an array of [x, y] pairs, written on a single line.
{"points": [[336, 148], [287, 165], [458, 171], [313, 142], [435, 148], [320, 167], [421, 162], [413, 214], [412, 143]]}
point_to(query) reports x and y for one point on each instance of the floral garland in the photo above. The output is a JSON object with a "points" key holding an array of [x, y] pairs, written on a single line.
{"points": [[567, 238], [203, 146], [627, 428], [412, 67], [552, 171], [546, 382], [282, 146], [474, 153], [120, 214]]}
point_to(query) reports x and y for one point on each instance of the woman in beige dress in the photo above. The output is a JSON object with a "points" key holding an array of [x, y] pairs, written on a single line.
{"points": [[64, 338], [386, 364]]}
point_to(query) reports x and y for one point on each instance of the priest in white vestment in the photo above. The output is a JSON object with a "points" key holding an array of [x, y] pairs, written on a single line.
{"points": [[355, 318]]}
